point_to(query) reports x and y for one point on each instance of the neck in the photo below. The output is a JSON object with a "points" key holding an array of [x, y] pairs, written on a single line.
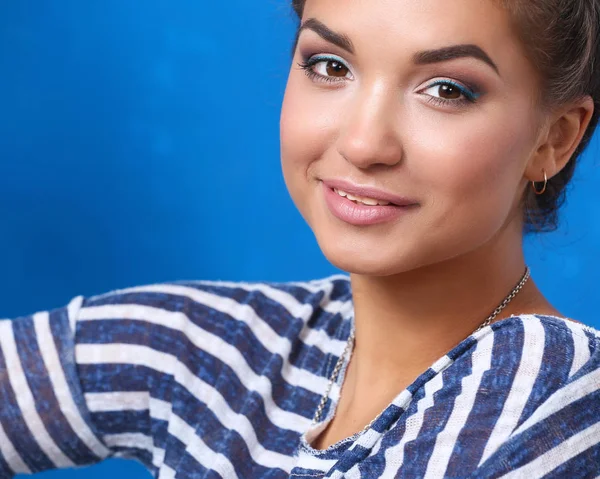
{"points": [[407, 321]]}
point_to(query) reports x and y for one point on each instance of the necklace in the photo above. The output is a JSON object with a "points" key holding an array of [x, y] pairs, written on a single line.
{"points": [[350, 344]]}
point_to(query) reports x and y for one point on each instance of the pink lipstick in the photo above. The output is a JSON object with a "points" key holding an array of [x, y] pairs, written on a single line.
{"points": [[364, 205]]}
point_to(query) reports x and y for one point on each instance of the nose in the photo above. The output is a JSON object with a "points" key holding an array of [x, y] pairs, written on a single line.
{"points": [[369, 133]]}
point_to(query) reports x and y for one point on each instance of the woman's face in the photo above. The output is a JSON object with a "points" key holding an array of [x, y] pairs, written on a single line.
{"points": [[427, 104]]}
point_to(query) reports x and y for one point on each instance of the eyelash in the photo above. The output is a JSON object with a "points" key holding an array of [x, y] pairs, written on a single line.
{"points": [[469, 95], [308, 65]]}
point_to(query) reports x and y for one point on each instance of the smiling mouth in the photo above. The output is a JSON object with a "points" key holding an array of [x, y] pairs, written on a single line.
{"points": [[366, 195], [362, 199]]}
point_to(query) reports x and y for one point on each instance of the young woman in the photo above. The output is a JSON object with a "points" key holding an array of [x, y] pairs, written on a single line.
{"points": [[421, 140]]}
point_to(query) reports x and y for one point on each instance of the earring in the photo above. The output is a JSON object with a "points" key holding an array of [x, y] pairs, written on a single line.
{"points": [[540, 192]]}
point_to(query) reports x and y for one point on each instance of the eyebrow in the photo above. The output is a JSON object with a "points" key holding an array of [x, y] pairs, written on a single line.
{"points": [[326, 33], [453, 52], [421, 58]]}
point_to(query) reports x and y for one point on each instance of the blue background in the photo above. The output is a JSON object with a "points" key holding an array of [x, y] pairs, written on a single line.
{"points": [[139, 143]]}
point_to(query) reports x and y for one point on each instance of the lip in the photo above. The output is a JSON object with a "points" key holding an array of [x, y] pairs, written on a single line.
{"points": [[369, 192], [358, 214]]}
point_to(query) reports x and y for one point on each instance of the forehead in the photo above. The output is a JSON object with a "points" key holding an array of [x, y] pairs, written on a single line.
{"points": [[400, 25]]}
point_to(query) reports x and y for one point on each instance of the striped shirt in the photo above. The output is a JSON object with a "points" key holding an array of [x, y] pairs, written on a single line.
{"points": [[215, 379]]}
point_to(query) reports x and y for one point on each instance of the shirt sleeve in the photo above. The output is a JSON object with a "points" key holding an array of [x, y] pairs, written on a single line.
{"points": [[44, 421], [562, 436], [102, 377]]}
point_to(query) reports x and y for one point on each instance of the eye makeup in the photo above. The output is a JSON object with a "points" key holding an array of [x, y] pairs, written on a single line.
{"points": [[337, 71], [466, 95], [333, 60]]}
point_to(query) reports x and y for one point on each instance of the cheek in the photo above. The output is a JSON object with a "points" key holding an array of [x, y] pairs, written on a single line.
{"points": [[305, 134], [307, 120], [471, 161]]}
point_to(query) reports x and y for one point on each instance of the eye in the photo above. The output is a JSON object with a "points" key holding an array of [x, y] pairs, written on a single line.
{"points": [[331, 68], [449, 92], [327, 69]]}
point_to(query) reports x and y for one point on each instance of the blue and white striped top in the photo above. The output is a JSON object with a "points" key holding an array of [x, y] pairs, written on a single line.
{"points": [[215, 379]]}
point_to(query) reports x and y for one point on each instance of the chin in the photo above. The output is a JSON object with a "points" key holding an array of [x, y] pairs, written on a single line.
{"points": [[366, 261], [382, 255]]}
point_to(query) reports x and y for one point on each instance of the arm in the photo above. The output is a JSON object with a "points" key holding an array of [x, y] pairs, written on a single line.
{"points": [[97, 379], [44, 422]]}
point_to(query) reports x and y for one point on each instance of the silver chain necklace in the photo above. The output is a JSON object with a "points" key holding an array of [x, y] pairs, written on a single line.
{"points": [[350, 343]]}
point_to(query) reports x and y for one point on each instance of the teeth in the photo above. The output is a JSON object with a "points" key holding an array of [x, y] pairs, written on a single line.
{"points": [[361, 199]]}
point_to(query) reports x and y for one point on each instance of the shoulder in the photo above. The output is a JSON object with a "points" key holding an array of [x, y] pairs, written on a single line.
{"points": [[537, 356], [552, 335], [207, 325], [219, 304], [522, 360], [548, 341], [549, 405]]}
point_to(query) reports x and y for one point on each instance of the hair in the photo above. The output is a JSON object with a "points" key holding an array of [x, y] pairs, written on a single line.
{"points": [[562, 40]]}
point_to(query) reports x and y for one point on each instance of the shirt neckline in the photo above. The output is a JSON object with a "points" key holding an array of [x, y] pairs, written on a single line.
{"points": [[406, 394]]}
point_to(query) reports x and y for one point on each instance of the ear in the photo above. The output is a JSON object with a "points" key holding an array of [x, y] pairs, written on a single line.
{"points": [[560, 138]]}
